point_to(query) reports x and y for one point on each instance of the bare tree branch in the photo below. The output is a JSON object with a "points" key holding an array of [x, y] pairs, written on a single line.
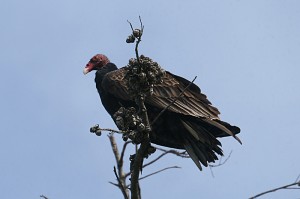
{"points": [[135, 191], [151, 174], [121, 186], [292, 188], [276, 189], [114, 147], [115, 184], [175, 152], [156, 159], [297, 178], [42, 196], [139, 40], [130, 25], [120, 176], [165, 152], [123, 152], [173, 167]]}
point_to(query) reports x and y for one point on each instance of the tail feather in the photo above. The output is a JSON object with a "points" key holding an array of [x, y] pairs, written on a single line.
{"points": [[223, 128], [199, 150], [194, 157], [201, 145]]}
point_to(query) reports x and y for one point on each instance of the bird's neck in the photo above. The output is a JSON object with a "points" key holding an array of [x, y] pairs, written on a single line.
{"points": [[100, 74]]}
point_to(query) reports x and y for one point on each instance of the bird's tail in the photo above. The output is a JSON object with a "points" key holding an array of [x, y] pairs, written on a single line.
{"points": [[202, 144]]}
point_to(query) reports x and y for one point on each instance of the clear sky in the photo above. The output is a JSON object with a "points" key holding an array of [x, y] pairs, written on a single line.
{"points": [[246, 57]]}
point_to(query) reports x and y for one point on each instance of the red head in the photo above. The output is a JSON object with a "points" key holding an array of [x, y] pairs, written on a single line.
{"points": [[97, 62]]}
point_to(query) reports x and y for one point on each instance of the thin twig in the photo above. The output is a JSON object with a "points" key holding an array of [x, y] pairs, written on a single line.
{"points": [[276, 189], [297, 178], [121, 186], [162, 155], [217, 165], [173, 167], [156, 159], [165, 152], [42, 196], [211, 171], [130, 25], [292, 188], [123, 152], [112, 130], [174, 100], [138, 41], [221, 163], [177, 153], [127, 174], [115, 184]]}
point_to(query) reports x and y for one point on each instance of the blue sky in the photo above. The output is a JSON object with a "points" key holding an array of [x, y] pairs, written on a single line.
{"points": [[246, 57]]}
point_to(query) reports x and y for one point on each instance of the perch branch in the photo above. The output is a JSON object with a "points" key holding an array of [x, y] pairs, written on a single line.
{"points": [[135, 191], [138, 160]]}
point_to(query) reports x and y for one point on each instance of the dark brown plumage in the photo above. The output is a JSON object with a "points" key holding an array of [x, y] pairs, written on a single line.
{"points": [[191, 123]]}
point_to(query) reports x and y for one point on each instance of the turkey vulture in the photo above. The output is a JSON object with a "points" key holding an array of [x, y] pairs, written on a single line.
{"points": [[191, 123]]}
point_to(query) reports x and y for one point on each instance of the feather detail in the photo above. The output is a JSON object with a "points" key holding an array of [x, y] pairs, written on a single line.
{"points": [[223, 128], [192, 155]]}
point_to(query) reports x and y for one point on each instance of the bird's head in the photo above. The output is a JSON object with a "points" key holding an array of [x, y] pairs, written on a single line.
{"points": [[95, 63]]}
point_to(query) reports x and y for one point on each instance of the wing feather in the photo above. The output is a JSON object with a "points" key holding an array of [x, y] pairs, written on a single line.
{"points": [[192, 102]]}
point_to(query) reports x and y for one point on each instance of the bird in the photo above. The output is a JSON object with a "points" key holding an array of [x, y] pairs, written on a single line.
{"points": [[191, 123]]}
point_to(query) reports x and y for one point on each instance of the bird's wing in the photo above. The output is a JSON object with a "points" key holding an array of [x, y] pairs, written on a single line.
{"points": [[189, 102], [115, 83]]}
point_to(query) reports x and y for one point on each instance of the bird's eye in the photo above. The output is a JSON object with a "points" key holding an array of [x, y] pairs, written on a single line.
{"points": [[92, 60]]}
